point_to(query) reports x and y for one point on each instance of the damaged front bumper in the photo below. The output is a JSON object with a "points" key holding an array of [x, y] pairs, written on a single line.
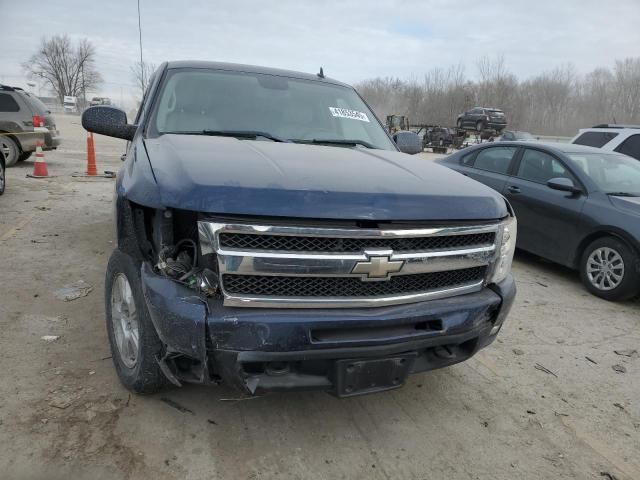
{"points": [[268, 349]]}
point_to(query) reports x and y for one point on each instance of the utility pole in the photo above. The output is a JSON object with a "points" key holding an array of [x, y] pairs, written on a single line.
{"points": [[140, 38], [84, 92]]}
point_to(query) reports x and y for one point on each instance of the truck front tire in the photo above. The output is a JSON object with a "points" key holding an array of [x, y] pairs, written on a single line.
{"points": [[132, 336]]}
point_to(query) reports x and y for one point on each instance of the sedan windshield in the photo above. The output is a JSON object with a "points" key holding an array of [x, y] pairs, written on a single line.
{"points": [[612, 173], [200, 101]]}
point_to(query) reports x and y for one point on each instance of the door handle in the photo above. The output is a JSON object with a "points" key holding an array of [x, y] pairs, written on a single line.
{"points": [[513, 189]]}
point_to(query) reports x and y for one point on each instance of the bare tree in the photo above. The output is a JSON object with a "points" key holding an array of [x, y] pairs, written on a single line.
{"points": [[141, 73], [68, 69]]}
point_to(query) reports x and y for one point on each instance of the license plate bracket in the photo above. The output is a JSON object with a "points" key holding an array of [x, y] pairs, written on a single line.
{"points": [[361, 376]]}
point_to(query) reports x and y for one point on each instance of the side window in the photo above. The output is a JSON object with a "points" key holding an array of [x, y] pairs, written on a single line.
{"points": [[467, 159], [595, 139], [540, 167], [495, 159], [8, 104], [631, 146]]}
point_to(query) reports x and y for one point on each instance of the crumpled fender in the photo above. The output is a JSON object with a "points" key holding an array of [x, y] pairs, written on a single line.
{"points": [[177, 312]]}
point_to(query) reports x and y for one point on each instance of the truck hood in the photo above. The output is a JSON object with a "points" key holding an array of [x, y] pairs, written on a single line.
{"points": [[224, 175]]}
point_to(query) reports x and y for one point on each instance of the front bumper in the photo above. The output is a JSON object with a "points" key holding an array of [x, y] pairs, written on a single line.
{"points": [[268, 349]]}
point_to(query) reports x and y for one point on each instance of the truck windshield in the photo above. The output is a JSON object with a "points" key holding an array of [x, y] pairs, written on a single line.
{"points": [[201, 101]]}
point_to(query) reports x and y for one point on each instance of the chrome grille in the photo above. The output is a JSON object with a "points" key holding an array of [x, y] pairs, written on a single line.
{"points": [[348, 287], [314, 267], [329, 244]]}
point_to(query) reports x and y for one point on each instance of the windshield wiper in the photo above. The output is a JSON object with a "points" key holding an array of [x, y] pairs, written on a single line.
{"points": [[623, 194], [234, 133], [338, 141]]}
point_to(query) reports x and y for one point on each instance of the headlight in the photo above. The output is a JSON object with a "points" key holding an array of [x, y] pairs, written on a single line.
{"points": [[507, 247]]}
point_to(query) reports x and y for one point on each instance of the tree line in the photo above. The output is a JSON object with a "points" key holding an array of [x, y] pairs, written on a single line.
{"points": [[555, 102]]}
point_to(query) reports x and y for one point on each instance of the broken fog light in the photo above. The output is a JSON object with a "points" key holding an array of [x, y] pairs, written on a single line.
{"points": [[506, 249], [208, 282]]}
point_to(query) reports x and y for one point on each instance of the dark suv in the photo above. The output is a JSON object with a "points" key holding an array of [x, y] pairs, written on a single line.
{"points": [[24, 121], [271, 236], [482, 118]]}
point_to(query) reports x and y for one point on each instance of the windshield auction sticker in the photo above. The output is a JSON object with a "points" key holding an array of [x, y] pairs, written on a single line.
{"points": [[346, 113]]}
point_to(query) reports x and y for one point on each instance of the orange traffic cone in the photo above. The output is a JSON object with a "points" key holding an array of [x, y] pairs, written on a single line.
{"points": [[40, 166], [92, 169]]}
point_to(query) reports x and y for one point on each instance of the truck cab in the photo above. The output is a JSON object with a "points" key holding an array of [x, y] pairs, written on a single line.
{"points": [[272, 236]]}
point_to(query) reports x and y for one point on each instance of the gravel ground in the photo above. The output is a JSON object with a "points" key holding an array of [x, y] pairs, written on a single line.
{"points": [[544, 401]]}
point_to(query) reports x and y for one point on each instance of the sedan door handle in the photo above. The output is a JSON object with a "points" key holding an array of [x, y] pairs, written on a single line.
{"points": [[513, 189]]}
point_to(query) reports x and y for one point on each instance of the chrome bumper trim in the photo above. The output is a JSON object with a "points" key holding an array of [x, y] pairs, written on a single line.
{"points": [[319, 264]]}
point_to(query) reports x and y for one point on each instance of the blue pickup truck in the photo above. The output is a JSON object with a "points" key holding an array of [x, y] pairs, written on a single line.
{"points": [[272, 236]]}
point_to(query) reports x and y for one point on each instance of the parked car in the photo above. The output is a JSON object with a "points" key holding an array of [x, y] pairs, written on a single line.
{"points": [[515, 135], [24, 120], [612, 138], [271, 236], [3, 177], [99, 101], [482, 118], [70, 104], [438, 138], [576, 206]]}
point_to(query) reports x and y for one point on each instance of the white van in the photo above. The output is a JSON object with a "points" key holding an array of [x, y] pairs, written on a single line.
{"points": [[70, 104]]}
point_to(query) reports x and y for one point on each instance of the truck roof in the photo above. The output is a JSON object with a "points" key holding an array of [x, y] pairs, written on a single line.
{"points": [[238, 67]]}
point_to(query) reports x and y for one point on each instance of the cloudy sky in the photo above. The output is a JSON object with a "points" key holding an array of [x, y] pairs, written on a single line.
{"points": [[353, 40]]}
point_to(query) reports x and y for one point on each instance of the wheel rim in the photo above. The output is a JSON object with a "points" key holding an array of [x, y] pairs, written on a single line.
{"points": [[9, 150], [605, 268], [124, 321]]}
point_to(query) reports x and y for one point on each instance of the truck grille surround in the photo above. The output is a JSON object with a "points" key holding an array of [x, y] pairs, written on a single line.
{"points": [[281, 266]]}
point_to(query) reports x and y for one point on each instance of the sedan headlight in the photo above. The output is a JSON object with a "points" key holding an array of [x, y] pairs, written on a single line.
{"points": [[507, 247]]}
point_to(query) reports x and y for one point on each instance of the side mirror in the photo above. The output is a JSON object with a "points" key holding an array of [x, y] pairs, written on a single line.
{"points": [[563, 184], [408, 142], [108, 121]]}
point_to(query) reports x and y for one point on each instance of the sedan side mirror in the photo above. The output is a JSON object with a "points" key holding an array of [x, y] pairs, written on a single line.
{"points": [[563, 184], [408, 142], [108, 121]]}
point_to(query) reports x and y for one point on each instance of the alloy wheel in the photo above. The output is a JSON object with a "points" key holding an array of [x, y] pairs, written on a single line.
{"points": [[124, 321], [605, 268]]}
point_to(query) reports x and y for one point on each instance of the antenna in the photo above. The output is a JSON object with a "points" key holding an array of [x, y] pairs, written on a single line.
{"points": [[321, 73]]}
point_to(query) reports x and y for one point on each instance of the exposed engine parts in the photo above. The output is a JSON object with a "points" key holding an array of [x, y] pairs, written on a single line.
{"points": [[179, 264], [181, 261]]}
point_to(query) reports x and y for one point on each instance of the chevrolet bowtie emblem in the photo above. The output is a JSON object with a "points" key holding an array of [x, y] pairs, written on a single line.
{"points": [[377, 267]]}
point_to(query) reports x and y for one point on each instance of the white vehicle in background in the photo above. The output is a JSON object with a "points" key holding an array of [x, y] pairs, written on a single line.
{"points": [[70, 104], [99, 101], [613, 138]]}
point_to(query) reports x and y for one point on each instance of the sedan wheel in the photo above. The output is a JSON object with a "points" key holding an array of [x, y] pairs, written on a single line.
{"points": [[610, 269], [605, 268]]}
